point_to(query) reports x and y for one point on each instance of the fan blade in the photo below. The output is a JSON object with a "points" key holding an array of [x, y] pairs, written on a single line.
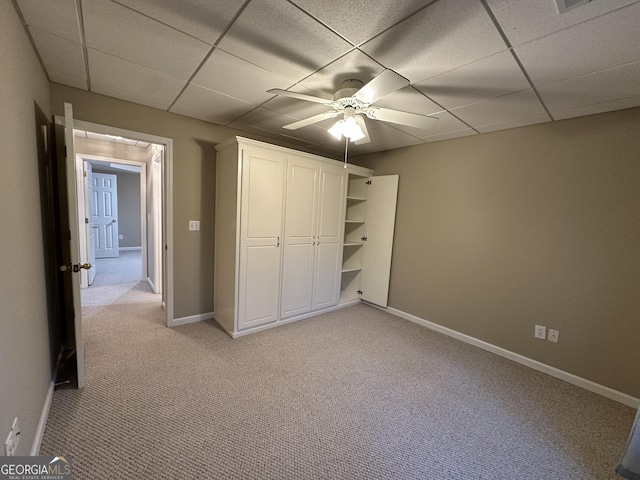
{"points": [[401, 118], [310, 120], [385, 83], [360, 121], [299, 96]]}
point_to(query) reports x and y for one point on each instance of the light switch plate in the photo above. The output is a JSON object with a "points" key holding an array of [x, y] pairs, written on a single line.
{"points": [[194, 225]]}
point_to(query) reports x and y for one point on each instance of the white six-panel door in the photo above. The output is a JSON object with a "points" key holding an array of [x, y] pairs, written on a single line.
{"points": [[260, 238]]}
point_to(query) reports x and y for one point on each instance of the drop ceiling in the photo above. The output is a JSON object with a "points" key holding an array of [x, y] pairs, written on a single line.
{"points": [[477, 65]]}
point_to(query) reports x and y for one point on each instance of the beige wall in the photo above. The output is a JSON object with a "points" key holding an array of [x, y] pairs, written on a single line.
{"points": [[193, 177], [540, 224], [25, 357]]}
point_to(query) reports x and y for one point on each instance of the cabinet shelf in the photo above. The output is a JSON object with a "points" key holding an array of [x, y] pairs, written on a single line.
{"points": [[356, 198], [350, 269], [354, 222], [353, 244]]}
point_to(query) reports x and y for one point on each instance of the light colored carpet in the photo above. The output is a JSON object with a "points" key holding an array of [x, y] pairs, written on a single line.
{"points": [[354, 394], [114, 278]]}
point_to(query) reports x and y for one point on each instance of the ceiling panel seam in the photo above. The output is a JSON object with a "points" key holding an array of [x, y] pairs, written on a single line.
{"points": [[507, 42], [83, 43], [210, 52], [33, 44]]}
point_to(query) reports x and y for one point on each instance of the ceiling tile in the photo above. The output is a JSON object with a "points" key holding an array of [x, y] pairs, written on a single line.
{"points": [[354, 65], [620, 104], [134, 97], [446, 35], [409, 100], [63, 78], [388, 137], [449, 135], [263, 119], [202, 19], [360, 20], [295, 108], [118, 31], [445, 123], [123, 75], [501, 109], [598, 44], [205, 104], [59, 17], [525, 21], [600, 87], [482, 80], [280, 38], [520, 122], [222, 71], [59, 53]]}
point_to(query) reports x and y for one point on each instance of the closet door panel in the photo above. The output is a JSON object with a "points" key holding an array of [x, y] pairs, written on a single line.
{"points": [[327, 275], [299, 239], [260, 238], [258, 289]]}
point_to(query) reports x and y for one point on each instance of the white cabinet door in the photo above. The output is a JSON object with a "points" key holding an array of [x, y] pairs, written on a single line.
{"points": [[329, 233], [260, 233], [382, 196], [299, 237]]}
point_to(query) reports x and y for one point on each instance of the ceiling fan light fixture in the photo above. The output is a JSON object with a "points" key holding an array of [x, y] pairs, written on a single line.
{"points": [[348, 128]]}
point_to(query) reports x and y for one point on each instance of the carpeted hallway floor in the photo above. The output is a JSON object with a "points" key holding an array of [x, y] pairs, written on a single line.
{"points": [[353, 394]]}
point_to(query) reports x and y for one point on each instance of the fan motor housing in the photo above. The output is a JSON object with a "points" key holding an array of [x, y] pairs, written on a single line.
{"points": [[348, 88]]}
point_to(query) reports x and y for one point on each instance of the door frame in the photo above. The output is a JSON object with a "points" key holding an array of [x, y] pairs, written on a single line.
{"points": [[167, 200], [82, 213]]}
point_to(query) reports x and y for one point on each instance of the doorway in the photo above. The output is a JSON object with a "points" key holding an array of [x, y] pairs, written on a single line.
{"points": [[140, 250]]}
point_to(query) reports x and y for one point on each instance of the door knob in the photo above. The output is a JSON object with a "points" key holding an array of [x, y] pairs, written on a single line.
{"points": [[75, 268]]}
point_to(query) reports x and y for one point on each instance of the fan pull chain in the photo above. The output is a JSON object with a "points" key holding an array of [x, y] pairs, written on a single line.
{"points": [[346, 149]]}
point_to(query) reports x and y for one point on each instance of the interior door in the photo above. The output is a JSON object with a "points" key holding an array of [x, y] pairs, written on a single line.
{"points": [[71, 250], [382, 194], [90, 227], [105, 215]]}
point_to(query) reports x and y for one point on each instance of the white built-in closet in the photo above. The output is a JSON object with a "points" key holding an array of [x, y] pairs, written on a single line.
{"points": [[296, 235]]}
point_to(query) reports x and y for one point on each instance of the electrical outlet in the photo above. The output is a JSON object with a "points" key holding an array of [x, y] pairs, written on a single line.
{"points": [[11, 444], [194, 225], [553, 335], [121, 237], [540, 332]]}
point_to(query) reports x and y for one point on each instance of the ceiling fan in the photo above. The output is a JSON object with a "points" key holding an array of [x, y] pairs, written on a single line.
{"points": [[355, 100]]}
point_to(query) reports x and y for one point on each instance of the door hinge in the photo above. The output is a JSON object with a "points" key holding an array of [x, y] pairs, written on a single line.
{"points": [[363, 238], [69, 235], [65, 151], [73, 314], [368, 182], [359, 292], [86, 220], [84, 173]]}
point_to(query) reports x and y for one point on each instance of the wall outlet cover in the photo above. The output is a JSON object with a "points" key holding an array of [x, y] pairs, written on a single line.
{"points": [[540, 332], [553, 335]]}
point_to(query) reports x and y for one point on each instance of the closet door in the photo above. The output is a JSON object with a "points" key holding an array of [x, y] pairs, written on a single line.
{"points": [[260, 238], [382, 195], [329, 233], [299, 237]]}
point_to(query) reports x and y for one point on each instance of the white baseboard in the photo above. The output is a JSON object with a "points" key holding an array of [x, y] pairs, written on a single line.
{"points": [[129, 248], [176, 322], [42, 423], [516, 357]]}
